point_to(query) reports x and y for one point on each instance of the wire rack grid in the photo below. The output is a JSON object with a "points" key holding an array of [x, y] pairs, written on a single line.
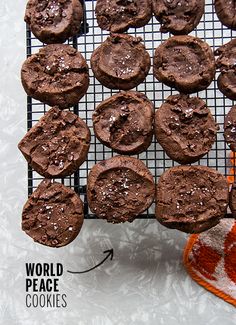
{"points": [[91, 36]]}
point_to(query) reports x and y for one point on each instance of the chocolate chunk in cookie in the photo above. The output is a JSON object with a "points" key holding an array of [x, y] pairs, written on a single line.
{"points": [[119, 189], [191, 198], [226, 62], [57, 75], [185, 128], [226, 12], [121, 62], [124, 122], [53, 215], [57, 145], [185, 63], [230, 128], [54, 21], [120, 15], [178, 16]]}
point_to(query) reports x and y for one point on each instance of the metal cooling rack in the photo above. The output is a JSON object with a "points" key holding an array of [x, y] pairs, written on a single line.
{"points": [[91, 36]]}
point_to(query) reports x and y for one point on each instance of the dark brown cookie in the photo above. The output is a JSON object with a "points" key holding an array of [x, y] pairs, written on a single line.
{"points": [[53, 215], [57, 75], [185, 128], [232, 200], [57, 145], [54, 21], [178, 16], [124, 122], [191, 198], [121, 62], [226, 64], [185, 63], [120, 15], [226, 12], [230, 128], [119, 189]]}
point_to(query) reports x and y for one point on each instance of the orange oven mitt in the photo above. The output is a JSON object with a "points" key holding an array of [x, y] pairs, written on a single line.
{"points": [[210, 259]]}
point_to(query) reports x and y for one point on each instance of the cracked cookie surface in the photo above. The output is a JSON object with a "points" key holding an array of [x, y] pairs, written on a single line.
{"points": [[57, 145], [185, 63], [57, 75], [121, 62], [178, 16], [185, 128], [124, 122], [191, 198], [53, 214], [226, 12], [119, 189], [120, 15], [54, 21]]}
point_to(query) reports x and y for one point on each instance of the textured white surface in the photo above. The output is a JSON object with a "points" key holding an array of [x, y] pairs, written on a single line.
{"points": [[144, 284]]}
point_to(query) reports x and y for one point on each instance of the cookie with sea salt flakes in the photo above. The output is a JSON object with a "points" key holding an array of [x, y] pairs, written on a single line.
{"points": [[57, 144], [191, 198], [178, 16], [120, 15], [226, 64], [53, 214], [124, 122], [185, 63], [121, 62], [185, 128], [54, 21], [230, 128], [57, 75], [119, 189]]}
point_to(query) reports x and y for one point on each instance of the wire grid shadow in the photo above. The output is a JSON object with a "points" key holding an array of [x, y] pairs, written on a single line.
{"points": [[91, 36]]}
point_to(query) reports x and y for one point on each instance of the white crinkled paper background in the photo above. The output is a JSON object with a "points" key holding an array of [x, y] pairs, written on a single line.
{"points": [[145, 283]]}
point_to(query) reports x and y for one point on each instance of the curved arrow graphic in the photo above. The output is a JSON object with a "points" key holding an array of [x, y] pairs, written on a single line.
{"points": [[110, 254]]}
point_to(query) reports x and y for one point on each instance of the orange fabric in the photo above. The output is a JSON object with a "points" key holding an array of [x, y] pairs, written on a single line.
{"points": [[210, 259]]}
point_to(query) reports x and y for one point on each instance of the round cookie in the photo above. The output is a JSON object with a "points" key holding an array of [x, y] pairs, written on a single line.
{"points": [[232, 200], [121, 62], [178, 16], [185, 128], [226, 12], [191, 198], [124, 122], [57, 75], [119, 189], [53, 215], [230, 128], [57, 144], [226, 63], [185, 63], [54, 21], [120, 15]]}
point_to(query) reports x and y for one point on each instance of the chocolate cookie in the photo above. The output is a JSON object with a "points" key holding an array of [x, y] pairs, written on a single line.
{"points": [[56, 75], [232, 200], [226, 12], [124, 122], [185, 128], [121, 62], [53, 215], [120, 15], [191, 198], [119, 189], [230, 128], [185, 63], [178, 16], [53, 21], [226, 64], [57, 145]]}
